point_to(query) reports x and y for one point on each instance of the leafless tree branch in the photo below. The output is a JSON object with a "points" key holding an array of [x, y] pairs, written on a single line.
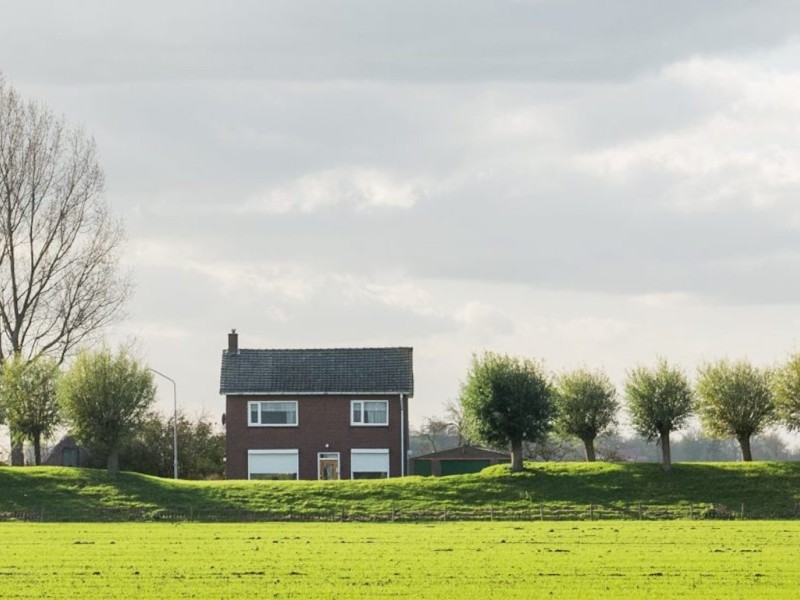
{"points": [[60, 281]]}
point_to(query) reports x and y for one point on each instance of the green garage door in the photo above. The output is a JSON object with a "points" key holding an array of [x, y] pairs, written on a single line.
{"points": [[458, 467], [422, 467]]}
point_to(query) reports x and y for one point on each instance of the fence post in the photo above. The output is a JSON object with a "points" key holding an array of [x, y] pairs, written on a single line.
{"points": [[591, 512], [491, 513], [640, 511], [541, 512], [742, 510]]}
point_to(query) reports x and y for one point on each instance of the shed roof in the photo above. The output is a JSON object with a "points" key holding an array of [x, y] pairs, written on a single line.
{"points": [[317, 371]]}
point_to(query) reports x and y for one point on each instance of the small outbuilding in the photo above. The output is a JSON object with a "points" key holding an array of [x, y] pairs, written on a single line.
{"points": [[457, 461], [67, 453]]}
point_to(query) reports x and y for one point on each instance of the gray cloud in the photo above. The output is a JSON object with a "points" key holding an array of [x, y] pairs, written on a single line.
{"points": [[420, 40]]}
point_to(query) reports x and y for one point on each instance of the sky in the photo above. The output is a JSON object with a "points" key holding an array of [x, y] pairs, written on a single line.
{"points": [[592, 184]]}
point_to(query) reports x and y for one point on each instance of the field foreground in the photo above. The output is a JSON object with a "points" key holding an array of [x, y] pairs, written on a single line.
{"points": [[466, 560]]}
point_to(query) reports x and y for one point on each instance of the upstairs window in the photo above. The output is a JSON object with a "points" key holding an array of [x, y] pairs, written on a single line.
{"points": [[369, 412], [272, 414]]}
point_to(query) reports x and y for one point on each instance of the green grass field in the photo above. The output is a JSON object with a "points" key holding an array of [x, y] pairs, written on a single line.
{"points": [[766, 490], [667, 559]]}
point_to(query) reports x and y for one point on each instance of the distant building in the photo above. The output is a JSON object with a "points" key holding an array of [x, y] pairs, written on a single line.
{"points": [[67, 453]]}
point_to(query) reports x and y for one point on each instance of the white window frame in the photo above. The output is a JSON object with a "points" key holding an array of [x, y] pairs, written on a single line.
{"points": [[361, 423], [260, 402], [284, 451], [382, 451]]}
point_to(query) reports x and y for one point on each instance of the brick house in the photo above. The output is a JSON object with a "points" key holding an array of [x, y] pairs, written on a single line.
{"points": [[339, 413]]}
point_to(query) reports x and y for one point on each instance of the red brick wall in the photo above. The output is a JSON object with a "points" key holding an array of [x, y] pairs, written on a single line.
{"points": [[321, 420]]}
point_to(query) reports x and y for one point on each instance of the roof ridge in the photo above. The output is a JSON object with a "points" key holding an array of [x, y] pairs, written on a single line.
{"points": [[325, 349]]}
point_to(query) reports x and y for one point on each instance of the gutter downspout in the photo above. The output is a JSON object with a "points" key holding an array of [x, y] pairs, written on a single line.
{"points": [[402, 438]]}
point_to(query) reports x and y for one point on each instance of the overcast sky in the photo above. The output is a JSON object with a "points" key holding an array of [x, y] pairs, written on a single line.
{"points": [[591, 183]]}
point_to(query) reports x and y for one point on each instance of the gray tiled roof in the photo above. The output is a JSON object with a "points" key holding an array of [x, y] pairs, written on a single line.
{"points": [[318, 371]]}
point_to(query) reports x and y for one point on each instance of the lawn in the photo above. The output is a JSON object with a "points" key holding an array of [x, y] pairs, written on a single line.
{"points": [[552, 490], [631, 559]]}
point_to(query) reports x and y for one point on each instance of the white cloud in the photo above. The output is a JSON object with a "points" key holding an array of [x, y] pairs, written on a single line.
{"points": [[594, 330], [747, 152], [405, 296], [288, 281], [664, 300], [485, 321], [359, 187], [154, 331]]}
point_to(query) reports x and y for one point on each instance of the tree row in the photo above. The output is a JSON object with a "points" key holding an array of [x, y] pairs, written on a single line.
{"points": [[509, 401]]}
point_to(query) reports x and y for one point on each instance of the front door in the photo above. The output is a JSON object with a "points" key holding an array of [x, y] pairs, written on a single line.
{"points": [[328, 466]]}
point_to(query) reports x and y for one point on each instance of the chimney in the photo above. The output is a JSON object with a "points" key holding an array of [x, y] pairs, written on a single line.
{"points": [[233, 342]]}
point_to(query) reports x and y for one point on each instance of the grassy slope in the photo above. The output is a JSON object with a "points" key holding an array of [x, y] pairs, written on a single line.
{"points": [[768, 490]]}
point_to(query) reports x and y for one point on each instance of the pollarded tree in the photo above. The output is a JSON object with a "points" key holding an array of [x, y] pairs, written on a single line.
{"points": [[587, 406], [735, 399], [660, 401], [28, 389], [508, 401], [106, 397], [786, 390], [59, 248]]}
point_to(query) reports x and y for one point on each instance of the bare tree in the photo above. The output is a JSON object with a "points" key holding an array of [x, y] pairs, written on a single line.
{"points": [[552, 449], [458, 420], [433, 430], [60, 282]]}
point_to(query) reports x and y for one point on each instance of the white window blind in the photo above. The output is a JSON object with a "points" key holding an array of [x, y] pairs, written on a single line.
{"points": [[369, 463], [272, 464]]}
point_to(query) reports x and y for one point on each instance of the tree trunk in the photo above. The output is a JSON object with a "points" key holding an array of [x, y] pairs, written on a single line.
{"points": [[113, 461], [37, 450], [744, 442], [666, 456], [17, 455], [516, 456], [588, 444]]}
